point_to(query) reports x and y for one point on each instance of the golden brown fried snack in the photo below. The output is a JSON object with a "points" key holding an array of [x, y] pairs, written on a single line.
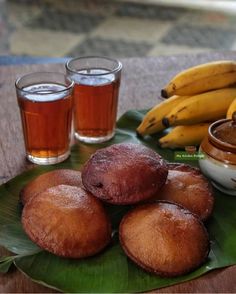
{"points": [[164, 238], [124, 173], [67, 221], [187, 186], [50, 179]]}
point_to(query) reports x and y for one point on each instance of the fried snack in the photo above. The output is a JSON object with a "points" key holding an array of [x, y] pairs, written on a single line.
{"points": [[164, 238], [187, 186], [50, 179], [124, 173], [67, 221]]}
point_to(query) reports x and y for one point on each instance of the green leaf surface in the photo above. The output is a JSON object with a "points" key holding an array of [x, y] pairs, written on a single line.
{"points": [[13, 238], [111, 270], [5, 264]]}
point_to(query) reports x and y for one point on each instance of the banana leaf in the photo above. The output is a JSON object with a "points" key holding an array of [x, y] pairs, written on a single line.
{"points": [[111, 270]]}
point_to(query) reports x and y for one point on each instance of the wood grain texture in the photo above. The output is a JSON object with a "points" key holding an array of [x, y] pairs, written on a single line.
{"points": [[142, 80]]}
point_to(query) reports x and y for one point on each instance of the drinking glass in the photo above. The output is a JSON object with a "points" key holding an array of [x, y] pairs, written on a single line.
{"points": [[45, 101], [97, 82]]}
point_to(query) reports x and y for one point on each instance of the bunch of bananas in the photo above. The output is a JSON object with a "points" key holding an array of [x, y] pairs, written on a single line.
{"points": [[196, 97]]}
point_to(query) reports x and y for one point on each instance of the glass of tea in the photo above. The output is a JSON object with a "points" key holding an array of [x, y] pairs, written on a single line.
{"points": [[45, 101], [96, 90]]}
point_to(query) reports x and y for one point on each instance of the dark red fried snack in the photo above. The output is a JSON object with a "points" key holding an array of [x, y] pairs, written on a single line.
{"points": [[124, 173], [164, 238], [50, 179], [67, 221], [187, 186]]}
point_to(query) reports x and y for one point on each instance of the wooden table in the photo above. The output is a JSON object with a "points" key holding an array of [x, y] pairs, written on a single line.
{"points": [[141, 83]]}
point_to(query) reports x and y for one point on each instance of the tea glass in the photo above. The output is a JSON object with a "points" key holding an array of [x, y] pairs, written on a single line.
{"points": [[96, 91], [45, 101]]}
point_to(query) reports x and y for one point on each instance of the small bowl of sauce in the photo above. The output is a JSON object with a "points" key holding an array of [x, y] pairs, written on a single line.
{"points": [[219, 150]]}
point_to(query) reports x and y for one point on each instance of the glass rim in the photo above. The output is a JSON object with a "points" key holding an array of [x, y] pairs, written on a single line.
{"points": [[116, 69], [70, 86]]}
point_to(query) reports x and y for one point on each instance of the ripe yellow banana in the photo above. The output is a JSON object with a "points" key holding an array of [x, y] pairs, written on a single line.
{"points": [[202, 78], [152, 121], [182, 136], [204, 107], [231, 109]]}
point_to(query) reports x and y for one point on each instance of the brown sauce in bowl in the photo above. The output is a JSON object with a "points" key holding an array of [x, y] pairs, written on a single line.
{"points": [[226, 132]]}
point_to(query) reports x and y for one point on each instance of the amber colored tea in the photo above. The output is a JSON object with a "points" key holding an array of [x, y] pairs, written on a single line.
{"points": [[42, 116], [95, 102]]}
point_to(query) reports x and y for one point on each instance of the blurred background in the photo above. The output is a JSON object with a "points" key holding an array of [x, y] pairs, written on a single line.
{"points": [[58, 28]]}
